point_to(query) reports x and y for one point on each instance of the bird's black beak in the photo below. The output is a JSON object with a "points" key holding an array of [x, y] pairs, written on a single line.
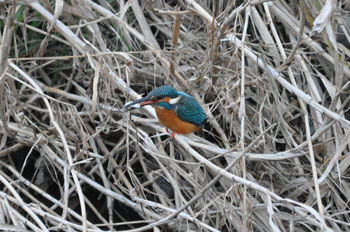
{"points": [[138, 103]]}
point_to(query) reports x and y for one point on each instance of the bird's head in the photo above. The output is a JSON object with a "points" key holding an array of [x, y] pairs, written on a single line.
{"points": [[164, 97]]}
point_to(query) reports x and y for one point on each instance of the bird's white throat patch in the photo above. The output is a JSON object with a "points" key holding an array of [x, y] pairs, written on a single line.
{"points": [[173, 101]]}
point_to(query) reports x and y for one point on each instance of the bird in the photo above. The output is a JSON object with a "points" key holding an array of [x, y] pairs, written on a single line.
{"points": [[176, 110]]}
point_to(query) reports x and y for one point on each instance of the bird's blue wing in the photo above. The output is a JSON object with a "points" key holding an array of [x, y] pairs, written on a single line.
{"points": [[189, 110]]}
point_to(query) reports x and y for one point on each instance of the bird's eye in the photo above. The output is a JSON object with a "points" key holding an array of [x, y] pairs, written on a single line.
{"points": [[154, 98]]}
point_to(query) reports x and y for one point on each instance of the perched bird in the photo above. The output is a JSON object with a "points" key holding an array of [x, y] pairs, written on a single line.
{"points": [[176, 110]]}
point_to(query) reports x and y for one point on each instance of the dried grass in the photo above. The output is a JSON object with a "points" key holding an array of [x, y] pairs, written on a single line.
{"points": [[275, 154]]}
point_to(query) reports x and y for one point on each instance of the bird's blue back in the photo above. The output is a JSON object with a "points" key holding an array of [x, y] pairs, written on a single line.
{"points": [[189, 110]]}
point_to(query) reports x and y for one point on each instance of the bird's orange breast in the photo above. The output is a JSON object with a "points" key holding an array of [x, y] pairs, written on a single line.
{"points": [[170, 120]]}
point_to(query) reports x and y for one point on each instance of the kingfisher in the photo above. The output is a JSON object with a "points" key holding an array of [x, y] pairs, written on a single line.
{"points": [[176, 110]]}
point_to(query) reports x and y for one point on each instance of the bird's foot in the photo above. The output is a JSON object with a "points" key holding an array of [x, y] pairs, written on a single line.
{"points": [[174, 133]]}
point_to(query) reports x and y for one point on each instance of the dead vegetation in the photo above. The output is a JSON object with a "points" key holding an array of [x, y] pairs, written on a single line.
{"points": [[275, 154]]}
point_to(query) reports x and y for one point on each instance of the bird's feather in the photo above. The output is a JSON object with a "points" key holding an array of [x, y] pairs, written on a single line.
{"points": [[164, 91], [189, 110]]}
